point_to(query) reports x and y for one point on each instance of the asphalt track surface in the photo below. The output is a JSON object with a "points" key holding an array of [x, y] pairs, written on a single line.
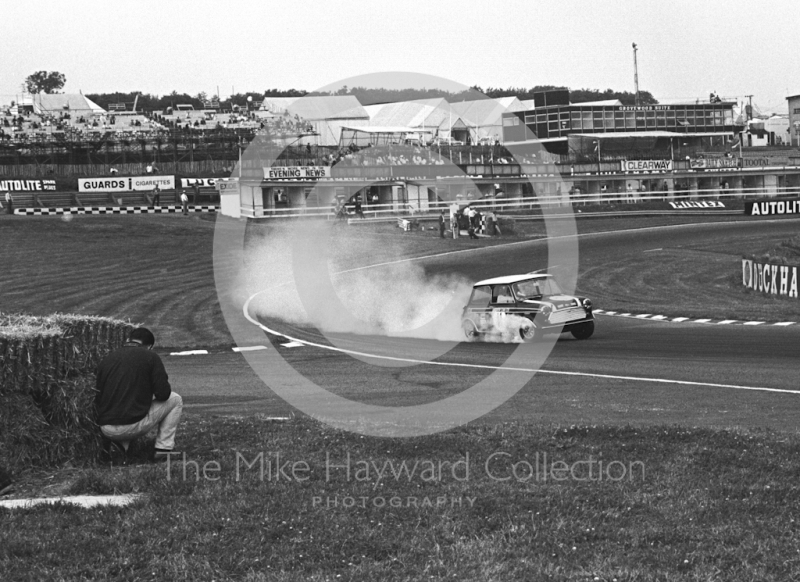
{"points": [[630, 371]]}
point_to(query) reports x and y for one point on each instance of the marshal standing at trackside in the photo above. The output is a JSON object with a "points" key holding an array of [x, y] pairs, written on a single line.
{"points": [[134, 395]]}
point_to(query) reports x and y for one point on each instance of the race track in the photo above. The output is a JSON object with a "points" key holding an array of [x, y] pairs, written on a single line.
{"points": [[630, 371]]}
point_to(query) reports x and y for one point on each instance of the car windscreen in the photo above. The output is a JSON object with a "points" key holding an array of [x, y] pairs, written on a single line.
{"points": [[539, 287], [481, 296]]}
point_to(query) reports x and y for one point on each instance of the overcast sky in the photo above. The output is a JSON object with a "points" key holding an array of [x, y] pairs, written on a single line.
{"points": [[687, 48]]}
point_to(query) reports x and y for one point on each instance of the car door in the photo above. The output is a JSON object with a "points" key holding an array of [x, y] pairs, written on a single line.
{"points": [[502, 304], [479, 309]]}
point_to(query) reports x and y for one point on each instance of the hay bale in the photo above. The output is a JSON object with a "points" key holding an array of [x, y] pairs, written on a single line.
{"points": [[47, 379]]}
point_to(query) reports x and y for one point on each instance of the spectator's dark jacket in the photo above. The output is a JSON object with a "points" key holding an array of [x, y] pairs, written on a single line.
{"points": [[128, 380]]}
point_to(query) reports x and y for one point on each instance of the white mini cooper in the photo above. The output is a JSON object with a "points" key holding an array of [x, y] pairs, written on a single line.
{"points": [[529, 305]]}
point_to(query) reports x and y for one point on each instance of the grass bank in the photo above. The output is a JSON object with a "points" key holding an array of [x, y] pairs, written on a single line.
{"points": [[517, 502]]}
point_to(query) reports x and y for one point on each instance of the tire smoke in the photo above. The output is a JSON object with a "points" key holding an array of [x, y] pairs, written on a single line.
{"points": [[393, 297]]}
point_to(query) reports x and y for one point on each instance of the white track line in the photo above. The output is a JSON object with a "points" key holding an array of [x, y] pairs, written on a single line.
{"points": [[249, 348], [80, 500], [294, 344]]}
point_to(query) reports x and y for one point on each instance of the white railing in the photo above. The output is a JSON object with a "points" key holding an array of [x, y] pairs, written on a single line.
{"points": [[545, 200]]}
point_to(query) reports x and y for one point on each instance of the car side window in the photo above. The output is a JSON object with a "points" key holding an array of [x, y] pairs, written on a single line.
{"points": [[502, 294], [527, 289], [481, 296]]}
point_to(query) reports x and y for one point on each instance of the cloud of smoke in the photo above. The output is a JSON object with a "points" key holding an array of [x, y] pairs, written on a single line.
{"points": [[506, 328], [399, 299]]}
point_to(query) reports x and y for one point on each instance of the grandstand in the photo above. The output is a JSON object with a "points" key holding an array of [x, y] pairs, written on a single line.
{"points": [[39, 140]]}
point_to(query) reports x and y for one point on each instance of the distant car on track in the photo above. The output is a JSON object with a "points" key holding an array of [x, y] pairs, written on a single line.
{"points": [[529, 305]]}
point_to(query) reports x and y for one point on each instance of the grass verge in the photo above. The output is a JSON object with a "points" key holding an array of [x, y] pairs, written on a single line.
{"points": [[668, 503]]}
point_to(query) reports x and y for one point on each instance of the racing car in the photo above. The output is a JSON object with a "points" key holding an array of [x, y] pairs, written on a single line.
{"points": [[530, 305]]}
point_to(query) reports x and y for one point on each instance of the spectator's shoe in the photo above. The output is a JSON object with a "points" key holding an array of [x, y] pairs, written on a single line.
{"points": [[161, 455], [114, 449]]}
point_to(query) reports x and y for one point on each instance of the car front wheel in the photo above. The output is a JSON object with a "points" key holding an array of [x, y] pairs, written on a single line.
{"points": [[583, 331], [529, 332]]}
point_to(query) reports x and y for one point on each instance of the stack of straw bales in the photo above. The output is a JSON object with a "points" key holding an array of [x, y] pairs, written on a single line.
{"points": [[47, 378]]}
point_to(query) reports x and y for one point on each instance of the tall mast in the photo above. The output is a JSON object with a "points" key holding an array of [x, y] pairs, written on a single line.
{"points": [[635, 73]]}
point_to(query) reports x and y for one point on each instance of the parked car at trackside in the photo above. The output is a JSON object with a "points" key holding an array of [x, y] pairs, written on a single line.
{"points": [[529, 305]]}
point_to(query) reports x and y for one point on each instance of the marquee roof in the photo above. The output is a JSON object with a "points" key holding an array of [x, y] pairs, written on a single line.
{"points": [[319, 107], [53, 102], [59, 102], [428, 113], [483, 112]]}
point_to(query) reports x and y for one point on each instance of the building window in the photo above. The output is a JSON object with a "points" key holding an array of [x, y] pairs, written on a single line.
{"points": [[587, 120], [630, 120], [619, 120], [576, 120]]}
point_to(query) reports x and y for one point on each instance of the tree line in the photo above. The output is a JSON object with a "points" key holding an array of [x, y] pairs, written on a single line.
{"points": [[366, 96], [52, 81]]}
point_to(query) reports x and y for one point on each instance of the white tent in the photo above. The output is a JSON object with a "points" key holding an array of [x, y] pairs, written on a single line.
{"points": [[325, 114], [72, 103]]}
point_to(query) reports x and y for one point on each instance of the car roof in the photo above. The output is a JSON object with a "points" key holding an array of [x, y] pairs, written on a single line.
{"points": [[509, 279]]}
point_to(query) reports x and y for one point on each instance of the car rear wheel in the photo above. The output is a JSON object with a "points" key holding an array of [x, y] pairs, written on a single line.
{"points": [[583, 331], [529, 332], [470, 331]]}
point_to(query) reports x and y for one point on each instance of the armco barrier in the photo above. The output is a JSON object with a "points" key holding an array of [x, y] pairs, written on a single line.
{"points": [[770, 278]]}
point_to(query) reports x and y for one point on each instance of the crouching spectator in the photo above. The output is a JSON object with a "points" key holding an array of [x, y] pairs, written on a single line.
{"points": [[134, 395]]}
